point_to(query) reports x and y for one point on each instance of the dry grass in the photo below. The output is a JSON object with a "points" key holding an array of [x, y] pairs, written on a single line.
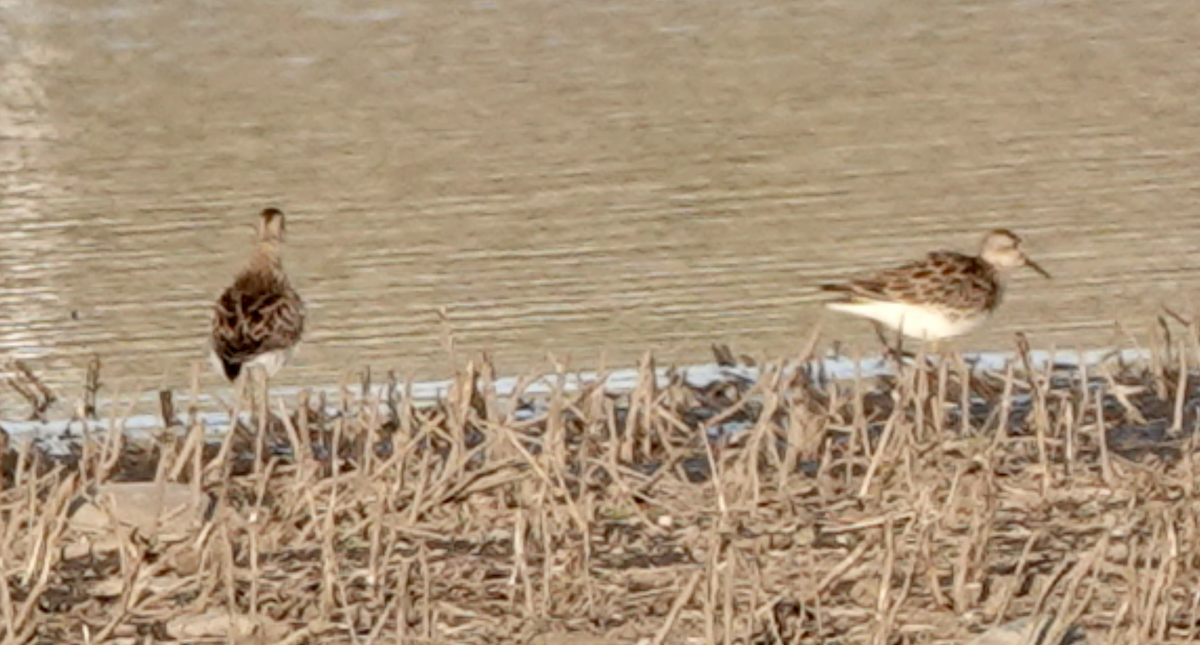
{"points": [[921, 508]]}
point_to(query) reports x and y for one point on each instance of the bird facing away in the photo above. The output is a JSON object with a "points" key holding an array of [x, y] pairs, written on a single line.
{"points": [[946, 294], [259, 319]]}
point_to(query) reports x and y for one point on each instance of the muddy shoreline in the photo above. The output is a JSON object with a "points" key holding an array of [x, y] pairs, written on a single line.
{"points": [[926, 505]]}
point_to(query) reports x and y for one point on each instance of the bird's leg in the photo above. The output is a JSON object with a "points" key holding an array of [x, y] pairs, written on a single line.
{"points": [[222, 460], [883, 339], [245, 397], [895, 352], [931, 349], [261, 411]]}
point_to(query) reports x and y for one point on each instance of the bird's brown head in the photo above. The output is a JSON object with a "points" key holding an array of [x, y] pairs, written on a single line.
{"points": [[1002, 249], [271, 225]]}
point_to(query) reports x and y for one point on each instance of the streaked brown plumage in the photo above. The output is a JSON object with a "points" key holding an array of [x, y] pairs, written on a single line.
{"points": [[259, 319], [950, 280]]}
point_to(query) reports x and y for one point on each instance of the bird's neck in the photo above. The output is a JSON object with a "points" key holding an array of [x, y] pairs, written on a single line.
{"points": [[267, 258]]}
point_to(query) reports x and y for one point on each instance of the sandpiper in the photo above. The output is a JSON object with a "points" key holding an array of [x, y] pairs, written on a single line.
{"points": [[946, 294], [259, 319]]}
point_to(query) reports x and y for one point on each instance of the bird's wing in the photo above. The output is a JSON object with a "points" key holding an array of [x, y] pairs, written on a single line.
{"points": [[256, 316], [939, 277]]}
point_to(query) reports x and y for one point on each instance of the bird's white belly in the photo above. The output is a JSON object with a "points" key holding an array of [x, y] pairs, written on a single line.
{"points": [[922, 323], [271, 362]]}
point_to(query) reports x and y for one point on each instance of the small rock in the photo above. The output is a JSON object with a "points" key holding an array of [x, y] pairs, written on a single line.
{"points": [[1026, 631], [238, 628], [571, 639], [157, 510]]}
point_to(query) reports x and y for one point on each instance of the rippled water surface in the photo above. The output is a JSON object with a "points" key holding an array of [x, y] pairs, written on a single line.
{"points": [[581, 177]]}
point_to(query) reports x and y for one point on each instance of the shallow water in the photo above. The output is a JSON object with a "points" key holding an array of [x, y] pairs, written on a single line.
{"points": [[583, 178]]}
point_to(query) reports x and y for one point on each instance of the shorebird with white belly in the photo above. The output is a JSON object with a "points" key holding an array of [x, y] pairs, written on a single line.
{"points": [[945, 294], [259, 319]]}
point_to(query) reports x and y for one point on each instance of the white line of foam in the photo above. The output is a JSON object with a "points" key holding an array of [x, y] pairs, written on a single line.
{"points": [[216, 419]]}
